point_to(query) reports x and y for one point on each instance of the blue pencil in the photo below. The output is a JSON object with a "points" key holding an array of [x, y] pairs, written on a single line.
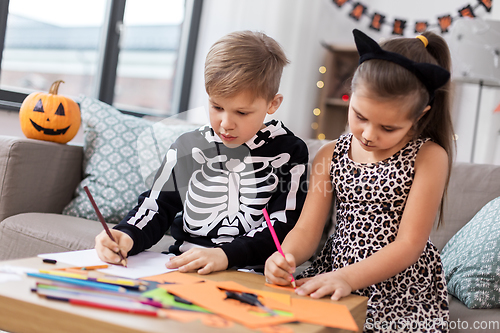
{"points": [[84, 283]]}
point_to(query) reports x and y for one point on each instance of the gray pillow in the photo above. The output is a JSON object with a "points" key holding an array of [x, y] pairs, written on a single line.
{"points": [[471, 259]]}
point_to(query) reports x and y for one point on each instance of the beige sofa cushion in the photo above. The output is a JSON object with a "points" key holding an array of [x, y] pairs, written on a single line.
{"points": [[30, 234], [31, 182]]}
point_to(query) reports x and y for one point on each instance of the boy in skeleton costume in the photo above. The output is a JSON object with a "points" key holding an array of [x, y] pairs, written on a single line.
{"points": [[215, 181]]}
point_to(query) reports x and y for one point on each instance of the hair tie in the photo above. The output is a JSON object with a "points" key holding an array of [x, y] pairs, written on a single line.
{"points": [[423, 39]]}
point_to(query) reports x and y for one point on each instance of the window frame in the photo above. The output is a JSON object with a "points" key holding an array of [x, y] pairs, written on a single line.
{"points": [[109, 52]]}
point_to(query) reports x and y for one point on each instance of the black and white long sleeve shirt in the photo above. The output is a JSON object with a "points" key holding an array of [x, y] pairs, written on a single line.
{"points": [[212, 196]]}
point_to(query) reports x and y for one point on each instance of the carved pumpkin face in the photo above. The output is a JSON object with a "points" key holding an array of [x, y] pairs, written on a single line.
{"points": [[49, 117]]}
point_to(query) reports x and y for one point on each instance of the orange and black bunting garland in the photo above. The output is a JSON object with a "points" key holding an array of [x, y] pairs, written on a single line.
{"points": [[377, 19]]}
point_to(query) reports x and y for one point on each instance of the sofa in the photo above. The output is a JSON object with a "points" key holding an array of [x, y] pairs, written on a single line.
{"points": [[38, 179]]}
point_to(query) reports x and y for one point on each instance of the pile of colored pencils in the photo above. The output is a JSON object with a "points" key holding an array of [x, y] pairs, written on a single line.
{"points": [[99, 291]]}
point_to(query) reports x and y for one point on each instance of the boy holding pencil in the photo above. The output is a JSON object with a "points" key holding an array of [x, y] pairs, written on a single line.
{"points": [[215, 181]]}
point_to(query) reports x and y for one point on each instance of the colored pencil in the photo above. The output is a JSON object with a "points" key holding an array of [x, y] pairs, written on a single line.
{"points": [[154, 313], [97, 274], [131, 284], [91, 268], [123, 261], [276, 240], [94, 301], [84, 283], [89, 294]]}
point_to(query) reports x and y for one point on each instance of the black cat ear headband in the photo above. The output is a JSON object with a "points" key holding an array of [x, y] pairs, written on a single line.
{"points": [[432, 76]]}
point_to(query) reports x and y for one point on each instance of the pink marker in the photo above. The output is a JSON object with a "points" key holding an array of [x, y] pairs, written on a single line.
{"points": [[276, 241]]}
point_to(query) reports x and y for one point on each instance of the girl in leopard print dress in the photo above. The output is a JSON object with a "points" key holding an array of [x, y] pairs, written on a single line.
{"points": [[388, 178]]}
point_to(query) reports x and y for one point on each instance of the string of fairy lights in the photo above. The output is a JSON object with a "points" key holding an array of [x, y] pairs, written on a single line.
{"points": [[377, 20], [342, 100]]}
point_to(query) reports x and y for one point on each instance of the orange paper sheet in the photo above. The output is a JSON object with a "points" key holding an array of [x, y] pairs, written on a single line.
{"points": [[174, 277], [323, 313], [209, 296]]}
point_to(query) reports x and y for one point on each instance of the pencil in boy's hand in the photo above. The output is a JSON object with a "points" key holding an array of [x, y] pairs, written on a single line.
{"points": [[276, 240], [123, 261]]}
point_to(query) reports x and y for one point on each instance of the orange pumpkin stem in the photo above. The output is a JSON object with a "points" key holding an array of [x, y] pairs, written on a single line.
{"points": [[55, 87]]}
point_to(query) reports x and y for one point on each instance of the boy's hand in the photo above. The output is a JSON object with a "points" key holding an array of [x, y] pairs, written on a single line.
{"points": [[332, 283], [202, 260], [107, 249], [278, 270]]}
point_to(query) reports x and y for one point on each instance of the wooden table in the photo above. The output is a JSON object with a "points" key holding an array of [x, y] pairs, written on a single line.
{"points": [[24, 311]]}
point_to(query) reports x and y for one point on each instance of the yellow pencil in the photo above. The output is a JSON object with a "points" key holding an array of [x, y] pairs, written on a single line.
{"points": [[65, 274]]}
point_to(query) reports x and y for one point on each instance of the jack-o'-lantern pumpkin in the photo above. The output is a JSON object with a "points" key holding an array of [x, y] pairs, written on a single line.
{"points": [[49, 117]]}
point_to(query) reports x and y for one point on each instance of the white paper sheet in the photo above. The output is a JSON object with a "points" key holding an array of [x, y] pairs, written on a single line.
{"points": [[13, 273], [141, 265]]}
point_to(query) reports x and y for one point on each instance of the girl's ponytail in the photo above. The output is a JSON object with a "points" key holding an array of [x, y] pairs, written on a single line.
{"points": [[438, 123]]}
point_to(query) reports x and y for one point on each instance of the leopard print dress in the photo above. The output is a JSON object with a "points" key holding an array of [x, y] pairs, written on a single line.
{"points": [[370, 200]]}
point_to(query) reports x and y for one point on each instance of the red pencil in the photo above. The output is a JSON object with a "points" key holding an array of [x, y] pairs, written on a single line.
{"points": [[152, 313]]}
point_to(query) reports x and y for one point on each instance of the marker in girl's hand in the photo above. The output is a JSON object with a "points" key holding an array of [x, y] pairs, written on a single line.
{"points": [[276, 241]]}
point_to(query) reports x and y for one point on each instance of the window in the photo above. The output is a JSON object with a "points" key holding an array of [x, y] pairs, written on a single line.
{"points": [[46, 41], [123, 52], [148, 56]]}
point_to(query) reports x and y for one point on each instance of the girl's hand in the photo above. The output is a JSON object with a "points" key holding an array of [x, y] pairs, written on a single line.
{"points": [[107, 249], [202, 260], [332, 283], [278, 270]]}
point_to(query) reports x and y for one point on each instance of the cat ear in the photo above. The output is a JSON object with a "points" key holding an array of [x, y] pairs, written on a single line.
{"points": [[433, 76], [365, 44]]}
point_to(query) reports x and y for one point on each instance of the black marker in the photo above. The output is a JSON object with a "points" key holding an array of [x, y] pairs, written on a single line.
{"points": [[50, 261]]}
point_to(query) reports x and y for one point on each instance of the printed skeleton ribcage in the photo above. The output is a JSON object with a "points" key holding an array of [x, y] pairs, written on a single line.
{"points": [[233, 195]]}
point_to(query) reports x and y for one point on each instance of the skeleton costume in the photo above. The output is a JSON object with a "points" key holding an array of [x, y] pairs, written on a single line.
{"points": [[212, 196]]}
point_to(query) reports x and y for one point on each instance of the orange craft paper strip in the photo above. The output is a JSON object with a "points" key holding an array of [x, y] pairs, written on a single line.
{"points": [[209, 296], [173, 277], [323, 313], [287, 288]]}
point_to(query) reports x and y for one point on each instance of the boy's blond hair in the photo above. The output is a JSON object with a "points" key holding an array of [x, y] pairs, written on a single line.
{"points": [[244, 60]]}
